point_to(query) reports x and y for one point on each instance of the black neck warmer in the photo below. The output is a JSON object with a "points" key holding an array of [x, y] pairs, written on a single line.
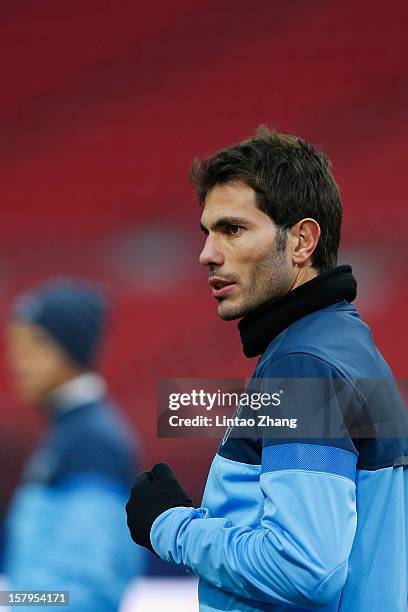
{"points": [[263, 324]]}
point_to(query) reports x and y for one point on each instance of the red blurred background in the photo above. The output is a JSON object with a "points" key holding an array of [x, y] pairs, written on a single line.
{"points": [[103, 107]]}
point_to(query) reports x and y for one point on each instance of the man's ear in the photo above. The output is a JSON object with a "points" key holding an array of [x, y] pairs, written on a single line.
{"points": [[305, 236]]}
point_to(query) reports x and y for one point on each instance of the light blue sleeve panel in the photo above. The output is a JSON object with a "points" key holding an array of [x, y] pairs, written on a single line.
{"points": [[299, 553], [72, 538]]}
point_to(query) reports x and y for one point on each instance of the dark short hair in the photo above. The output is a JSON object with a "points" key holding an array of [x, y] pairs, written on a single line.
{"points": [[292, 180]]}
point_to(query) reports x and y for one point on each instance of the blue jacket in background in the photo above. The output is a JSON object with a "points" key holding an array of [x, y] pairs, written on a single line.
{"points": [[66, 528]]}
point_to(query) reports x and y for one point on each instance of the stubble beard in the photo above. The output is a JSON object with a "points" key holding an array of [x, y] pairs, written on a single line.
{"points": [[270, 278]]}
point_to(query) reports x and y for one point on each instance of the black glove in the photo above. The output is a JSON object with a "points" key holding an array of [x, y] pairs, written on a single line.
{"points": [[153, 493]]}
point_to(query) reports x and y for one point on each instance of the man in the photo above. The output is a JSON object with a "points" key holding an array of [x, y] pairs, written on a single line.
{"points": [[318, 521], [84, 465]]}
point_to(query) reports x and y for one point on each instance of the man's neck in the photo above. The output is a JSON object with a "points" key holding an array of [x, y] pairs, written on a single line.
{"points": [[304, 275]]}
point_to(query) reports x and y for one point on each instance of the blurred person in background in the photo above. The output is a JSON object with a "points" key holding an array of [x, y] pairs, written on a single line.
{"points": [[85, 464]]}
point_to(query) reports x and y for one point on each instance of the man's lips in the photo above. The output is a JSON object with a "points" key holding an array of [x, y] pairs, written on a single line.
{"points": [[221, 287]]}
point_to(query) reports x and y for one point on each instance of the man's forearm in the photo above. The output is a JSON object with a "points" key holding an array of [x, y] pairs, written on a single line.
{"points": [[262, 564]]}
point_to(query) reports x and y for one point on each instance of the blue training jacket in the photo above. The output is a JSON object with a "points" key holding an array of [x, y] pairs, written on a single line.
{"points": [[66, 528], [300, 524]]}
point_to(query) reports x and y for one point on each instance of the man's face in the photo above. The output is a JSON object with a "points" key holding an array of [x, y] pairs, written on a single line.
{"points": [[246, 267], [37, 364]]}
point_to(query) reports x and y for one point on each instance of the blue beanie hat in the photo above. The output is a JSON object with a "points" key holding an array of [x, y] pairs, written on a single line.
{"points": [[71, 311]]}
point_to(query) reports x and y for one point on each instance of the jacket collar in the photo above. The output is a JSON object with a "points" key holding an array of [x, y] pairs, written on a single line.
{"points": [[263, 324], [87, 388]]}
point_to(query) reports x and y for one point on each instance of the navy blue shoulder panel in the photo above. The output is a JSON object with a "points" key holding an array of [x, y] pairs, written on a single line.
{"points": [[376, 454], [244, 450], [91, 439], [381, 435], [335, 344]]}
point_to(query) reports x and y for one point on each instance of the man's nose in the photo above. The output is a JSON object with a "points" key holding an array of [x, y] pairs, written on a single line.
{"points": [[211, 253]]}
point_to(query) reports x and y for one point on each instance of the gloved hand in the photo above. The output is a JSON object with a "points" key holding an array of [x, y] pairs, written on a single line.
{"points": [[153, 493]]}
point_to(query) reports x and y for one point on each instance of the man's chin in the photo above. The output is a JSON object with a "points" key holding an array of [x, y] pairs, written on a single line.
{"points": [[230, 312]]}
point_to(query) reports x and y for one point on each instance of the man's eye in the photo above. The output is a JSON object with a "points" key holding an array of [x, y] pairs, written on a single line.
{"points": [[234, 230]]}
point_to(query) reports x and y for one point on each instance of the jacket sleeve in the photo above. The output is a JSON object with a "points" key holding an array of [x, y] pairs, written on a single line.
{"points": [[72, 537], [299, 553]]}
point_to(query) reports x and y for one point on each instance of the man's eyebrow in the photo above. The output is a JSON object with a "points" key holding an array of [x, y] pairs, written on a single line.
{"points": [[224, 221]]}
